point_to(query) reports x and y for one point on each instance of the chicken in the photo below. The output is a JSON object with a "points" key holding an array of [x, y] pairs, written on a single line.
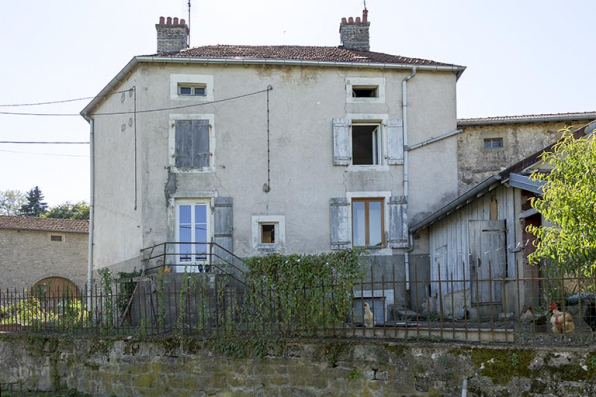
{"points": [[369, 317], [562, 322]]}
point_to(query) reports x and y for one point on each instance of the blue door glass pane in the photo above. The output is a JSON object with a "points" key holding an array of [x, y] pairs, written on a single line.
{"points": [[358, 224], [201, 214], [185, 214], [185, 249]]}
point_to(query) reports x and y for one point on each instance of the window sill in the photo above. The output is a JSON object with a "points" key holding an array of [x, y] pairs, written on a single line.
{"points": [[204, 170], [360, 168]]}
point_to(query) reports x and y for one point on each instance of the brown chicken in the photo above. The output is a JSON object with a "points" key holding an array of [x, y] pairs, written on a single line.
{"points": [[562, 322]]}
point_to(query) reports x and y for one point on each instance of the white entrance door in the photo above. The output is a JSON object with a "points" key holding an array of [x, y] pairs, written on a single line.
{"points": [[193, 233]]}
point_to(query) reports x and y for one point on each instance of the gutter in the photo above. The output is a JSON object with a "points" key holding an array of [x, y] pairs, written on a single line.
{"points": [[461, 200], [406, 183], [520, 120], [91, 204], [434, 139], [458, 70]]}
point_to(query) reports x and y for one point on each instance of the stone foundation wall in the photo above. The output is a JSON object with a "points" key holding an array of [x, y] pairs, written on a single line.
{"points": [[185, 366]]}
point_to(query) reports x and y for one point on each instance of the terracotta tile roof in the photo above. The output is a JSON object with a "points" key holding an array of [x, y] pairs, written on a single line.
{"points": [[530, 118], [297, 53], [48, 224]]}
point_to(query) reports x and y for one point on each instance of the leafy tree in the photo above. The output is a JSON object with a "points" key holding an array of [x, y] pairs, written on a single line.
{"points": [[35, 206], [568, 205], [11, 202], [68, 210]]}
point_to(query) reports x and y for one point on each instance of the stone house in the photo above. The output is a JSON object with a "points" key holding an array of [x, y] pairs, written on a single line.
{"points": [[479, 245], [39, 251], [489, 145], [259, 149]]}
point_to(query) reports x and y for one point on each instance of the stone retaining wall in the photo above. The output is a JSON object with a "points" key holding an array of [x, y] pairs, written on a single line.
{"points": [[185, 366]]}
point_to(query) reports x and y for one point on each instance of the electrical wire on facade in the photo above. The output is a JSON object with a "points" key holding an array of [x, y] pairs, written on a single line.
{"points": [[46, 143], [138, 111], [54, 102]]}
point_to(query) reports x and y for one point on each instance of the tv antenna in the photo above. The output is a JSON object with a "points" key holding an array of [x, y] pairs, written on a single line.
{"points": [[188, 43], [364, 4]]}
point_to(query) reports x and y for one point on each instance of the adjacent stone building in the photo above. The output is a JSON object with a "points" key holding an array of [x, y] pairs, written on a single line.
{"points": [[488, 145], [35, 251]]}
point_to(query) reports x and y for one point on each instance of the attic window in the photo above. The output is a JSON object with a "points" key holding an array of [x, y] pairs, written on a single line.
{"points": [[192, 90], [54, 237], [493, 143], [365, 91]]}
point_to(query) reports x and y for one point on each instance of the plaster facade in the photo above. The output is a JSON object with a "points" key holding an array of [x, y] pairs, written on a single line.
{"points": [[137, 188]]}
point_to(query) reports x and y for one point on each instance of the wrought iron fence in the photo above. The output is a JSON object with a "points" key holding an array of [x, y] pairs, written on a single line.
{"points": [[543, 307]]}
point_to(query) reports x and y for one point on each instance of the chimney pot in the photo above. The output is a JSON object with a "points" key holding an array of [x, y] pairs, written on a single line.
{"points": [[355, 35], [171, 37]]}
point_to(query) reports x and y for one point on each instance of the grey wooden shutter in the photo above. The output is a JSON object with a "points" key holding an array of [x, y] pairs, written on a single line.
{"points": [[183, 150], [201, 143], [342, 148], [398, 222], [223, 220], [340, 223], [395, 141]]}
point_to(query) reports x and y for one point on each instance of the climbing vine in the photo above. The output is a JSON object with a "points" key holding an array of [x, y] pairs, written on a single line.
{"points": [[302, 293]]}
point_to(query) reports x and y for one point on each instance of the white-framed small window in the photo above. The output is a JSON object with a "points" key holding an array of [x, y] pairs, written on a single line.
{"points": [[493, 143], [269, 233], [192, 143], [365, 90], [195, 87], [192, 90]]}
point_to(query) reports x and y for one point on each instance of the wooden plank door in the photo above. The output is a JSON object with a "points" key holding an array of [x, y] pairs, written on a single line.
{"points": [[488, 260]]}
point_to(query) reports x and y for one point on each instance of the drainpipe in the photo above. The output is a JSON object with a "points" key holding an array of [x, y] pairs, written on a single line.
{"points": [[91, 206], [404, 87]]}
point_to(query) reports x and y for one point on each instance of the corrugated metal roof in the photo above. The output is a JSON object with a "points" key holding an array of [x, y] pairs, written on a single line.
{"points": [[529, 118], [47, 224]]}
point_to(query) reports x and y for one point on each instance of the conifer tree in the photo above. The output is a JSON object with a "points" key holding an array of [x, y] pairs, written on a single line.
{"points": [[35, 205]]}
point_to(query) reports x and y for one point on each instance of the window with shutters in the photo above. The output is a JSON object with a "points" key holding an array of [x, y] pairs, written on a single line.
{"points": [[193, 234], [268, 233], [368, 228], [361, 142], [192, 143], [372, 219]]}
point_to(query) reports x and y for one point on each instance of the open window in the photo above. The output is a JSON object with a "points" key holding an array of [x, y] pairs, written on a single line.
{"points": [[365, 91], [366, 144], [268, 233]]}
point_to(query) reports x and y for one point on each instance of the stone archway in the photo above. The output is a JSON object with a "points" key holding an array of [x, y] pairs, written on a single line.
{"points": [[54, 292]]}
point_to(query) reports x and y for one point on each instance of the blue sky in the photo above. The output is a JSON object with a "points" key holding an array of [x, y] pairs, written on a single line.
{"points": [[523, 57]]}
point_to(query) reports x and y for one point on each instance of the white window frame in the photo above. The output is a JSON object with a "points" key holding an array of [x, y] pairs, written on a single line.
{"points": [[172, 142], [378, 82], [193, 265], [371, 119], [177, 80], [385, 195], [280, 233]]}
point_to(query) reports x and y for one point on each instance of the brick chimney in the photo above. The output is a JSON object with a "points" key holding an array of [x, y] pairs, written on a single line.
{"points": [[172, 35], [354, 34]]}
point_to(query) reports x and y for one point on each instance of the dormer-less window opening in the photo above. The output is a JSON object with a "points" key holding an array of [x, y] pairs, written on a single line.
{"points": [[493, 143], [365, 91], [366, 144], [192, 90]]}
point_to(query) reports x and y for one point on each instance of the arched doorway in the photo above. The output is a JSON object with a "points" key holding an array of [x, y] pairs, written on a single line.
{"points": [[55, 292]]}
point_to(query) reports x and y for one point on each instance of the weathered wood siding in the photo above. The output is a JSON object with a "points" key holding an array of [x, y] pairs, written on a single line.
{"points": [[450, 240]]}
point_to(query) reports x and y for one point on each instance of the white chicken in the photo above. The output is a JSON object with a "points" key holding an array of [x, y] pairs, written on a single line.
{"points": [[369, 317]]}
